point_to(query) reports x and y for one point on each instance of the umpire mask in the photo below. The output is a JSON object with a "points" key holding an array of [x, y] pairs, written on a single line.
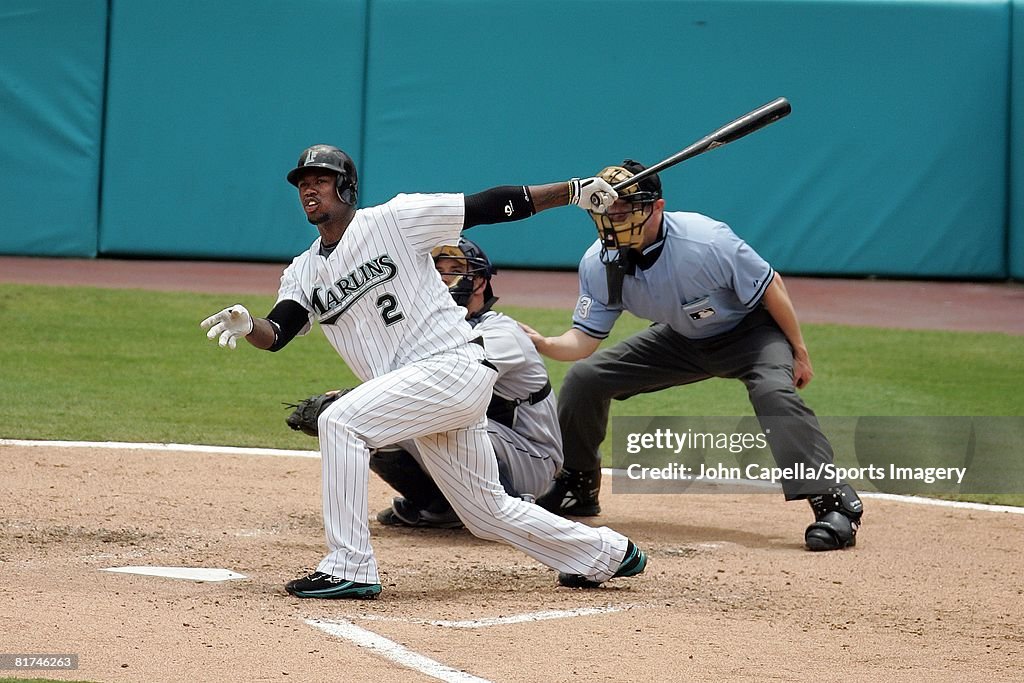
{"points": [[467, 262], [622, 227]]}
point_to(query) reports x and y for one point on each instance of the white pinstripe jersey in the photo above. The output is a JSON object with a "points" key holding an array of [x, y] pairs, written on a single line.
{"points": [[377, 296]]}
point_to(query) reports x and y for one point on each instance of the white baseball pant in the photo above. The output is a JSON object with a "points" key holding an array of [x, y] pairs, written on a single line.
{"points": [[440, 402]]}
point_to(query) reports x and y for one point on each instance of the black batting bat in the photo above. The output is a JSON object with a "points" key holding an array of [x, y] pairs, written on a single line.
{"points": [[744, 125]]}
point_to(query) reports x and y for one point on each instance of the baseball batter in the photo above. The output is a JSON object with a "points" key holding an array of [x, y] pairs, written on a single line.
{"points": [[720, 310], [370, 282], [522, 417]]}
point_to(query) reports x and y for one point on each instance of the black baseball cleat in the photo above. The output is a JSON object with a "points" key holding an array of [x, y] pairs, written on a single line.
{"points": [[837, 514], [573, 494], [320, 585], [634, 562], [404, 513]]}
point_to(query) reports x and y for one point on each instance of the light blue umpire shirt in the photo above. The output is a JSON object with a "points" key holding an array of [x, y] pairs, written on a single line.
{"points": [[698, 277]]}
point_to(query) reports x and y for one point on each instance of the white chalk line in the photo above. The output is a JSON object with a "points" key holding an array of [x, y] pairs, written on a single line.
{"points": [[168, 447], [389, 649], [962, 505], [234, 450], [343, 628], [528, 617], [202, 574]]}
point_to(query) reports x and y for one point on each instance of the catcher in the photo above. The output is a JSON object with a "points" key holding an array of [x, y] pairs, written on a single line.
{"points": [[522, 416]]}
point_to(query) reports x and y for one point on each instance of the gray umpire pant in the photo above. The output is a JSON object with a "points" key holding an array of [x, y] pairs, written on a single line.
{"points": [[756, 352]]}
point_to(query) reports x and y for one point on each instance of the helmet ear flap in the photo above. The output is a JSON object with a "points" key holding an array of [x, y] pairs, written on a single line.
{"points": [[347, 185]]}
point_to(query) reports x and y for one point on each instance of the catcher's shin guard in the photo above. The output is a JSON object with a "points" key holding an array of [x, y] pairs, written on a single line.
{"points": [[573, 493], [400, 470], [837, 514]]}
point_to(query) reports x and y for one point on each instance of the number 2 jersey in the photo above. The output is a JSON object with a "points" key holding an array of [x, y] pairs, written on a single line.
{"points": [[377, 296]]}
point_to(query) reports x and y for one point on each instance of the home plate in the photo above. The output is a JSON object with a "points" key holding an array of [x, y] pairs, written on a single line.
{"points": [[190, 573]]}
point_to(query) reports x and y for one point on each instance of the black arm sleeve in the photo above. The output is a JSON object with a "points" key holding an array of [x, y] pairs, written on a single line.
{"points": [[288, 318], [498, 205]]}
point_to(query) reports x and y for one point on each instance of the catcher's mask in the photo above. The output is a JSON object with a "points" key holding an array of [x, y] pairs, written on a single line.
{"points": [[332, 159], [621, 228], [470, 263]]}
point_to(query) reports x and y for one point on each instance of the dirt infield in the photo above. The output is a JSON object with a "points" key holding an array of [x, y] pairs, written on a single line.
{"points": [[928, 594]]}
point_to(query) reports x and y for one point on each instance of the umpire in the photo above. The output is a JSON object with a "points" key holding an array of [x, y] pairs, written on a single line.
{"points": [[719, 310]]}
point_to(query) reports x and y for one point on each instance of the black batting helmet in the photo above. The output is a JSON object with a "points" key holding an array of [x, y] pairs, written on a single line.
{"points": [[332, 159], [476, 264]]}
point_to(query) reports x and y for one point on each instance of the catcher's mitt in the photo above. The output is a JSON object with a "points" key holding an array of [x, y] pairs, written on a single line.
{"points": [[306, 412]]}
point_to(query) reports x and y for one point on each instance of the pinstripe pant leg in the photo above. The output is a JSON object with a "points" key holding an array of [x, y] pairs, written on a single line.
{"points": [[441, 393], [345, 466], [463, 465]]}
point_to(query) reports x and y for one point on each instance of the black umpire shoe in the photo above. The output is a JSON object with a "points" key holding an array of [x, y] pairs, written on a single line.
{"points": [[574, 494], [837, 514]]}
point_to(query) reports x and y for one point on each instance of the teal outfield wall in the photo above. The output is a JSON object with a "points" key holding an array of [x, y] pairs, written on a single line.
{"points": [[52, 55], [209, 105], [1015, 241], [894, 161]]}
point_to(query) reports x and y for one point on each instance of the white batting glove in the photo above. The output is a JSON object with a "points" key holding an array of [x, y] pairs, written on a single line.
{"points": [[592, 194], [230, 324]]}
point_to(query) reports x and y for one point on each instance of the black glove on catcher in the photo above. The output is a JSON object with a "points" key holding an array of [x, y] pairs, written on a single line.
{"points": [[306, 412]]}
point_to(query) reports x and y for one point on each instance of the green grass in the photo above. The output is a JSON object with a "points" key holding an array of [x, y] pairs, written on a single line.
{"points": [[131, 365], [858, 371]]}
